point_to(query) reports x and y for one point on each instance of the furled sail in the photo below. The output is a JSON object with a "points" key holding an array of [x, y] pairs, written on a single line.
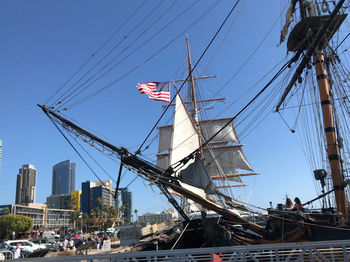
{"points": [[201, 178]]}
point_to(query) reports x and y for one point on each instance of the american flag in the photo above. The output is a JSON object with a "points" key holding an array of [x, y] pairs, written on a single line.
{"points": [[156, 90]]}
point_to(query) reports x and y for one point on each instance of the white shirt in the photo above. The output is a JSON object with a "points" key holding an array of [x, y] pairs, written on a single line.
{"points": [[65, 243], [17, 253]]}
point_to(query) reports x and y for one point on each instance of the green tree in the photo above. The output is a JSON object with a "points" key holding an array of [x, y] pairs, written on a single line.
{"points": [[17, 223]]}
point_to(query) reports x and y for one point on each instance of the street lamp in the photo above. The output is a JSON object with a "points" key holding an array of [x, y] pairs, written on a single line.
{"points": [[81, 222]]}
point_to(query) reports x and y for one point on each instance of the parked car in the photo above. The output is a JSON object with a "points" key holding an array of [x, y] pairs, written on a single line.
{"points": [[5, 247], [101, 234], [26, 245], [50, 235], [77, 236], [45, 244]]}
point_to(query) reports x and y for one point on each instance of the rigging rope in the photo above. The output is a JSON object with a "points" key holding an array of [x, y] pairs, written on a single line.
{"points": [[114, 58], [186, 159], [145, 61], [81, 157], [96, 52], [188, 76]]}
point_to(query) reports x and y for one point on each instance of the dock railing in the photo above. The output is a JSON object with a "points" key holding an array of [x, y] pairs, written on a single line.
{"points": [[305, 251], [7, 255]]}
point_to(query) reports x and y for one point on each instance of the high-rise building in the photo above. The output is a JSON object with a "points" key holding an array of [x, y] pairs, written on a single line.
{"points": [[92, 191], [124, 199], [26, 181], [63, 178]]}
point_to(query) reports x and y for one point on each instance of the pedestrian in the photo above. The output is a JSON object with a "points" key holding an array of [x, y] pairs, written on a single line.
{"points": [[298, 206], [289, 204], [65, 244], [17, 251], [71, 244], [97, 242]]}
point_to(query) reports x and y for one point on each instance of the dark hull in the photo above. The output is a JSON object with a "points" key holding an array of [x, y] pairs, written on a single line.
{"points": [[303, 226]]}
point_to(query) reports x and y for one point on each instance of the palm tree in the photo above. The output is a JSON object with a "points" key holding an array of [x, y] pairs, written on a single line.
{"points": [[75, 217], [135, 211]]}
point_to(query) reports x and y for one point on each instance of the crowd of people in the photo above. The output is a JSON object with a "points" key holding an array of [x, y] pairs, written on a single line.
{"points": [[69, 244], [298, 206]]}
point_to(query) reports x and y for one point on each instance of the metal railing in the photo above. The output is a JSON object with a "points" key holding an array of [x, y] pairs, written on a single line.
{"points": [[7, 255], [307, 251]]}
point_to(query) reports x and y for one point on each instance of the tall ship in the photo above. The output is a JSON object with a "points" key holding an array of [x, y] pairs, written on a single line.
{"points": [[199, 160]]}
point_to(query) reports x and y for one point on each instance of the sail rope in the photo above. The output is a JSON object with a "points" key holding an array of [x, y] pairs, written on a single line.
{"points": [[189, 75], [182, 232], [84, 84], [129, 18], [178, 16], [81, 157], [71, 95], [249, 57], [225, 37], [142, 63], [190, 156]]}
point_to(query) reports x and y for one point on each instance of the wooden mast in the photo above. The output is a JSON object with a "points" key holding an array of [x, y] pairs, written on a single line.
{"points": [[316, 35], [332, 145], [193, 94]]}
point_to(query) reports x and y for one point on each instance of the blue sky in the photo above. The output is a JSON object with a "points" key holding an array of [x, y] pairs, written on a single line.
{"points": [[44, 42]]}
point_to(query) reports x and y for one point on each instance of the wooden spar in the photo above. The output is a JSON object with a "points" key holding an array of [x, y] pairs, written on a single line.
{"points": [[196, 78], [174, 193], [232, 176], [228, 186], [201, 101], [332, 145], [220, 210]]}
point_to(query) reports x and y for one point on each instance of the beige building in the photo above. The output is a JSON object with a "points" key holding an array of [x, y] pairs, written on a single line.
{"points": [[44, 217], [166, 215]]}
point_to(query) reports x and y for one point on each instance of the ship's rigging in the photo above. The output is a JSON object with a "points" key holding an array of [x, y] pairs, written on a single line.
{"points": [[336, 99]]}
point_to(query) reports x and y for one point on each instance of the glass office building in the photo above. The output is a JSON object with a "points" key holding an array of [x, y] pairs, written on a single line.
{"points": [[63, 178]]}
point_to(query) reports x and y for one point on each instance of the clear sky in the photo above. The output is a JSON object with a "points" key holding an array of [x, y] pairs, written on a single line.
{"points": [[44, 42]]}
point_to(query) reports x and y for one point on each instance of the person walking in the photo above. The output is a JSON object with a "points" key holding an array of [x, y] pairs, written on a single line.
{"points": [[17, 251]]}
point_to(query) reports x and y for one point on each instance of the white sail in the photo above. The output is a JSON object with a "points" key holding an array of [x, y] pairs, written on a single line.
{"points": [[211, 127], [185, 138], [224, 160], [218, 160], [165, 133], [208, 129]]}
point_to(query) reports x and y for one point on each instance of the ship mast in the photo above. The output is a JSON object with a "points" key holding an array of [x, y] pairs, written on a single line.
{"points": [[315, 47], [194, 111]]}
